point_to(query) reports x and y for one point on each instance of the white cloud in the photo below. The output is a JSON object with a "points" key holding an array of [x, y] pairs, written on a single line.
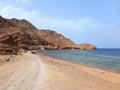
{"points": [[34, 16], [13, 12], [24, 1], [79, 25]]}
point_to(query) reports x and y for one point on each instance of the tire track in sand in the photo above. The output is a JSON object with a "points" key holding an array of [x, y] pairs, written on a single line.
{"points": [[27, 78]]}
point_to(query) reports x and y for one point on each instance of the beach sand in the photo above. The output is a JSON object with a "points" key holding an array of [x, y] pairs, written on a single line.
{"points": [[39, 72]]}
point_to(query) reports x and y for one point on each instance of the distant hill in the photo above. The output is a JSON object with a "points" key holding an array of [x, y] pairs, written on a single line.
{"points": [[16, 33], [86, 46]]}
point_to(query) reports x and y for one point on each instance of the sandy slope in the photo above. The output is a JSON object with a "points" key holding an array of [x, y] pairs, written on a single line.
{"points": [[33, 72]]}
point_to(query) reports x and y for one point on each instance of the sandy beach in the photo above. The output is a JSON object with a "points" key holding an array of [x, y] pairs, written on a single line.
{"points": [[39, 72]]}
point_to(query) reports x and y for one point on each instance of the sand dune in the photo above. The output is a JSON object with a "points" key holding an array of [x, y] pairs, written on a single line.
{"points": [[38, 72]]}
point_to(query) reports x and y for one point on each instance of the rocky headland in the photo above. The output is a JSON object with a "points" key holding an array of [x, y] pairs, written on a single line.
{"points": [[87, 46]]}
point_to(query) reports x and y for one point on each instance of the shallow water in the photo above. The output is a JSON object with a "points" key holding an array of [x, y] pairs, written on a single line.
{"points": [[103, 58]]}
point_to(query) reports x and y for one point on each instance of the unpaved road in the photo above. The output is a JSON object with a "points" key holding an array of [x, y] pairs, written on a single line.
{"points": [[31, 72], [26, 73]]}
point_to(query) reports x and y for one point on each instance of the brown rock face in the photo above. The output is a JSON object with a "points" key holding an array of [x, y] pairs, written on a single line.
{"points": [[86, 46], [4, 23], [21, 23], [55, 39], [16, 33]]}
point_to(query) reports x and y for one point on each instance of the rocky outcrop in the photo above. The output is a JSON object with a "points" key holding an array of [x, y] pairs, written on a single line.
{"points": [[16, 33], [86, 46]]}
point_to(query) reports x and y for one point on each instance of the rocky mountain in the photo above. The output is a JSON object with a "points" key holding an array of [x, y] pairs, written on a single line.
{"points": [[16, 33]]}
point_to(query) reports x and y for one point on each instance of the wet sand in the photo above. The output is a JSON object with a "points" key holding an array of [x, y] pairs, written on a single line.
{"points": [[39, 72]]}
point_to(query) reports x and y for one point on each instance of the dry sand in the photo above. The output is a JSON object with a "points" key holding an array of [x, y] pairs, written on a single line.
{"points": [[38, 72]]}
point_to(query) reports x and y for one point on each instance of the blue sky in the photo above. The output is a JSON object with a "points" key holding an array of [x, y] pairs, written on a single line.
{"points": [[83, 21]]}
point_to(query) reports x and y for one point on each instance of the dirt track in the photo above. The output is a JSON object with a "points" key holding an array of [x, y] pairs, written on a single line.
{"points": [[22, 74], [30, 72]]}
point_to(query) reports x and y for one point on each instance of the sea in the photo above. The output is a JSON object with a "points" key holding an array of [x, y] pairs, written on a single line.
{"points": [[102, 58]]}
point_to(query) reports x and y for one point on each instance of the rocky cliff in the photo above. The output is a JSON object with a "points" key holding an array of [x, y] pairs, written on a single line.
{"points": [[16, 33]]}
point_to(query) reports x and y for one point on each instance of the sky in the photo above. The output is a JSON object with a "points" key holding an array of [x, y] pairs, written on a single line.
{"points": [[83, 21]]}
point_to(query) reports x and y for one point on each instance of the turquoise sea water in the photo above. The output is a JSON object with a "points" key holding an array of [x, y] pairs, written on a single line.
{"points": [[103, 58]]}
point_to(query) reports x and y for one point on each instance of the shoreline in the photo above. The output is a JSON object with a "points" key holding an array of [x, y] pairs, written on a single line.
{"points": [[86, 65], [93, 70]]}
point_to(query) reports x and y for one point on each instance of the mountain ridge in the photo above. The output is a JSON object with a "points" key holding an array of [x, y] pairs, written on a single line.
{"points": [[16, 33]]}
